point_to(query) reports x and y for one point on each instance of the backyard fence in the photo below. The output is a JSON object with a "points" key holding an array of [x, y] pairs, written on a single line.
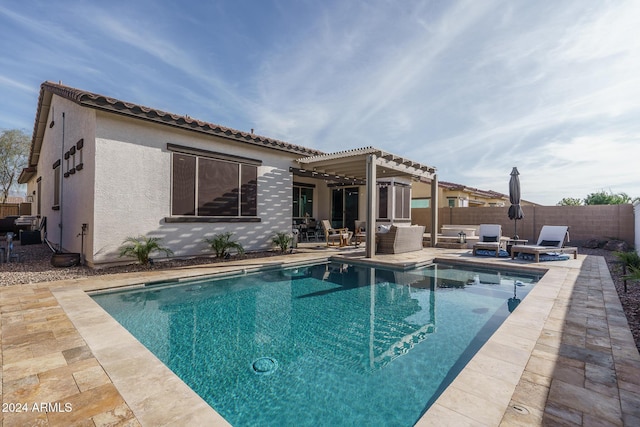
{"points": [[585, 222], [636, 210], [14, 209]]}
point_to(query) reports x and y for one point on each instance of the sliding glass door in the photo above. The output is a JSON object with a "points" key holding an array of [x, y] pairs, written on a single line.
{"points": [[344, 207]]}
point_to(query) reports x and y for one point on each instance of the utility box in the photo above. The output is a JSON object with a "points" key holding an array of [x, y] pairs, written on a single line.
{"points": [[30, 237]]}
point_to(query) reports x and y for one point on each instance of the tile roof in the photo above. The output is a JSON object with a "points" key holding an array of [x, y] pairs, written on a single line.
{"points": [[462, 187], [105, 103]]}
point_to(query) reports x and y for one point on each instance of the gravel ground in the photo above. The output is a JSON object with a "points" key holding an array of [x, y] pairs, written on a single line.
{"points": [[35, 267]]}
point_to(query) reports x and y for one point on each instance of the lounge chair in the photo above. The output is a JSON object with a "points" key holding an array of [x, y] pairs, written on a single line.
{"points": [[550, 240], [489, 238], [340, 235]]}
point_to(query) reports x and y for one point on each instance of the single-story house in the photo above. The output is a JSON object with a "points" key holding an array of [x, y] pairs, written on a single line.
{"points": [[101, 170]]}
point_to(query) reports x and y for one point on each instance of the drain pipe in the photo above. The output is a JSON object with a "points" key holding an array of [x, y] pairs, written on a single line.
{"points": [[61, 185]]}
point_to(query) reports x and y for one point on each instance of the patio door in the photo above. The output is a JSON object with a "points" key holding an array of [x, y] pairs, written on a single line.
{"points": [[344, 207]]}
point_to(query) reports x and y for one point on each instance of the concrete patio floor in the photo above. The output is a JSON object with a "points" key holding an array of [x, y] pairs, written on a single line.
{"points": [[564, 357]]}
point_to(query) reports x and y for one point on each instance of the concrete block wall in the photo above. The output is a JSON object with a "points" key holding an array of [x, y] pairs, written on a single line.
{"points": [[636, 219], [585, 222]]}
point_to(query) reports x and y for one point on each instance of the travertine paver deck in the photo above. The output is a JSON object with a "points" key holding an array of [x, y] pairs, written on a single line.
{"points": [[564, 357]]}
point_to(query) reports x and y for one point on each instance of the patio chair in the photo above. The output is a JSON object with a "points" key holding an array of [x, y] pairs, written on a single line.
{"points": [[310, 230], [360, 233], [489, 236], [550, 240], [340, 235]]}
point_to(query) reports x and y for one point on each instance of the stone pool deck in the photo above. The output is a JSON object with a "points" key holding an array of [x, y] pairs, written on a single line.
{"points": [[564, 357]]}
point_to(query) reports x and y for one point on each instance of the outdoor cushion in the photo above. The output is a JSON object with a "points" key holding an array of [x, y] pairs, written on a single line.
{"points": [[383, 228], [489, 238], [549, 256], [491, 252], [550, 243]]}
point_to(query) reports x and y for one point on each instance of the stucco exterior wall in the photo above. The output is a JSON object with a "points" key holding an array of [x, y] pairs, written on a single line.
{"points": [[133, 189], [64, 225]]}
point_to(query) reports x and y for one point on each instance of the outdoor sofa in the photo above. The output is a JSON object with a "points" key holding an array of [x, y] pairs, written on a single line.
{"points": [[400, 239]]}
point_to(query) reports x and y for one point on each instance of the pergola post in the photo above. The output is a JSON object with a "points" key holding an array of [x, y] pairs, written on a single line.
{"points": [[371, 206], [434, 210]]}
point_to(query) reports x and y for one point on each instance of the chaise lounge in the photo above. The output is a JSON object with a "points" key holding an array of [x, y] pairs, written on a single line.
{"points": [[490, 236], [550, 240]]}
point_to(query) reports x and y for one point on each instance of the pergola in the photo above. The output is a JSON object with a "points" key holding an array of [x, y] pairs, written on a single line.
{"points": [[363, 166]]}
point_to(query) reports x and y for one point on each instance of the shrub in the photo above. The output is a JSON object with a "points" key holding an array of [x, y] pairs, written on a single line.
{"points": [[631, 259], [634, 274], [282, 240], [221, 244], [141, 247]]}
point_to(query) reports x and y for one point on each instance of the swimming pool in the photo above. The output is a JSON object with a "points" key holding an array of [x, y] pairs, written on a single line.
{"points": [[330, 344]]}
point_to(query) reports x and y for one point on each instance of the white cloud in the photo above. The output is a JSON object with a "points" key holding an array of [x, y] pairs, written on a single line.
{"points": [[473, 88]]}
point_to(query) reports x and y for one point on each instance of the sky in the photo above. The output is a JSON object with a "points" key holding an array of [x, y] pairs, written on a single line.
{"points": [[473, 88]]}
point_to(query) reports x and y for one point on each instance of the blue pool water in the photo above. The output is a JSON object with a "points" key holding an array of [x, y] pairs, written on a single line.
{"points": [[330, 344]]}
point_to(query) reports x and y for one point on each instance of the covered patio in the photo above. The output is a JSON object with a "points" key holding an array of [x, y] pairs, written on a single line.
{"points": [[364, 166]]}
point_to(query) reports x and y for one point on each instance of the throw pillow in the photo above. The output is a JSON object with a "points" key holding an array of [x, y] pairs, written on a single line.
{"points": [[383, 228], [489, 238], [554, 243]]}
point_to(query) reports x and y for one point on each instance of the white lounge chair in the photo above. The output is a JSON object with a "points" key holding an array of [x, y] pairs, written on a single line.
{"points": [[550, 240], [490, 236]]}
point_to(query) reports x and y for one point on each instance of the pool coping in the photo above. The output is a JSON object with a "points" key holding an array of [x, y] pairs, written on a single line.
{"points": [[522, 354]]}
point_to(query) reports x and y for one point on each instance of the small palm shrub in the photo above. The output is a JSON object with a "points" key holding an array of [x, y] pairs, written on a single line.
{"points": [[282, 241], [142, 247], [634, 274], [631, 260], [222, 244]]}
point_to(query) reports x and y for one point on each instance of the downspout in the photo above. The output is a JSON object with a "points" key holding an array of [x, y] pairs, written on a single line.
{"points": [[61, 185]]}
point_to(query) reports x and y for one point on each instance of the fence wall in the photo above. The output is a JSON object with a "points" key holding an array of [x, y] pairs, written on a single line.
{"points": [[585, 222], [636, 213], [14, 209], [9, 209]]}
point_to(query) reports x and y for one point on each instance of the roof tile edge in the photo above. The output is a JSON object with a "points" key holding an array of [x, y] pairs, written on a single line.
{"points": [[97, 101]]}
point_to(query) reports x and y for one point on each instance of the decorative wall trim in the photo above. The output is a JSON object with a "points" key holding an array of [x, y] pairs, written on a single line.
{"points": [[195, 219], [212, 154]]}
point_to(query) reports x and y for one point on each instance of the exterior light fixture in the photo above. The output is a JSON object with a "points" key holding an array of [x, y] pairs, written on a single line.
{"points": [[462, 237]]}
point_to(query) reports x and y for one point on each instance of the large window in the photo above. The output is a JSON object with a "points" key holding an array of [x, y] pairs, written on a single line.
{"points": [[420, 203], [403, 201], [394, 200], [302, 201], [383, 202], [204, 186]]}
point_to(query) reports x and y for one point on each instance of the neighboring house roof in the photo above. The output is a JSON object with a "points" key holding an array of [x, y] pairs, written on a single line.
{"points": [[482, 193], [116, 106]]}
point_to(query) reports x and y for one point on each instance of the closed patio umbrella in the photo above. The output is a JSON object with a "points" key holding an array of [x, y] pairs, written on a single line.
{"points": [[515, 211]]}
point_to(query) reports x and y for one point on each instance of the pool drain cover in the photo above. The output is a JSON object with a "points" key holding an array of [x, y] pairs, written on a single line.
{"points": [[264, 365]]}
